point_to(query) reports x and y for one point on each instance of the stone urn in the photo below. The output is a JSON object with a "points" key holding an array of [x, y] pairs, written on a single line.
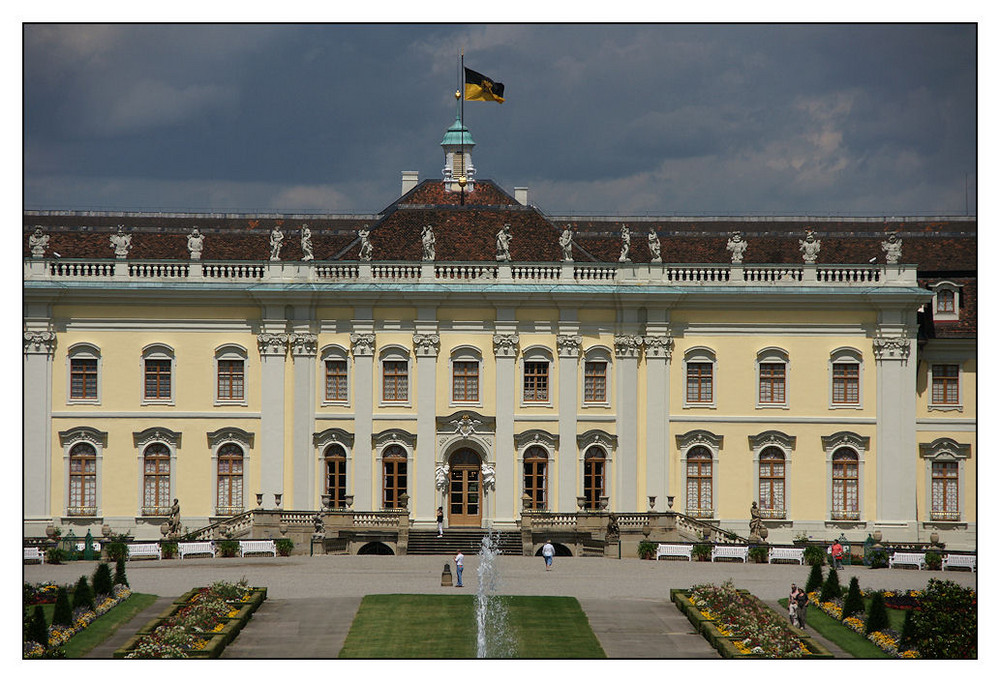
{"points": [[325, 500], [670, 501], [763, 533], [604, 501], [277, 500], [581, 502], [260, 500], [404, 501], [935, 538], [877, 536], [348, 501], [50, 532]]}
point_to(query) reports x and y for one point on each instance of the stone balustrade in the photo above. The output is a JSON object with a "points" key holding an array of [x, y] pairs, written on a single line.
{"points": [[607, 274]]}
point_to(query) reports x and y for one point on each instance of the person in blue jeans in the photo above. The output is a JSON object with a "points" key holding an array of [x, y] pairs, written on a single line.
{"points": [[548, 551], [459, 565]]}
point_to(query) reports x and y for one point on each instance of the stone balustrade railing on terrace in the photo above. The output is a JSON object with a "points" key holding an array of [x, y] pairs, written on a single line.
{"points": [[317, 272]]}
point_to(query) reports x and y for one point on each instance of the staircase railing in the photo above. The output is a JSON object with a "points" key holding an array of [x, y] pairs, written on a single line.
{"points": [[237, 525]]}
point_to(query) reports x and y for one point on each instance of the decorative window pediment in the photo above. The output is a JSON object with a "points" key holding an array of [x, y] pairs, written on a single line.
{"points": [[597, 437], [83, 433], [845, 439], [536, 437], [230, 434], [466, 423], [699, 437], [397, 436], [945, 448], [156, 434], [766, 438], [324, 438]]}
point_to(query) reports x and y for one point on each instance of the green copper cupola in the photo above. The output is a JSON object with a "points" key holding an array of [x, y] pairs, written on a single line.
{"points": [[458, 168]]}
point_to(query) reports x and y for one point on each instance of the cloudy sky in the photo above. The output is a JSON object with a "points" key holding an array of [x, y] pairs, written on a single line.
{"points": [[599, 119]]}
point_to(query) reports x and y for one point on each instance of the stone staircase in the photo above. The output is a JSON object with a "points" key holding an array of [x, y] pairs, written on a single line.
{"points": [[468, 540]]}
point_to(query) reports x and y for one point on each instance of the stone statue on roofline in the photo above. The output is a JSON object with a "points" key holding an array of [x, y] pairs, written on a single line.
{"points": [[736, 246], [196, 242], [276, 238], [809, 247], [566, 242], [626, 243], [121, 242], [893, 249], [37, 242], [365, 254], [428, 241], [503, 243], [307, 242], [654, 246]]}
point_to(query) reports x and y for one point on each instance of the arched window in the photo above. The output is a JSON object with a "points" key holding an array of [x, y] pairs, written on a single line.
{"points": [[845, 485], [82, 480], [393, 476], [772, 483], [593, 476], [335, 459], [229, 500], [156, 480], [536, 461], [699, 482], [944, 491]]}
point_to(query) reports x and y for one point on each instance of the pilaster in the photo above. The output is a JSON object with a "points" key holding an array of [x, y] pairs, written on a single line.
{"points": [[36, 387], [627, 348], [659, 349], [895, 440], [568, 347], [505, 350], [363, 349], [426, 345], [272, 348], [303, 347]]}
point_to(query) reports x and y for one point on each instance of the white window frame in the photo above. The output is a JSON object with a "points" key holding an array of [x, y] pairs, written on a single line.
{"points": [[98, 440], [83, 351], [597, 354], [536, 354], [142, 440], [549, 459], [231, 351], [701, 354], [786, 445], [157, 351], [940, 287], [465, 354], [944, 450], [335, 353], [244, 440], [687, 442], [396, 353], [859, 444], [324, 440], [770, 355], [846, 355], [380, 470], [945, 407]]}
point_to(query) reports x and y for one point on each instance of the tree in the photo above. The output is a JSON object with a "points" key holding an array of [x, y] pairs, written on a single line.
{"points": [[815, 578], [82, 596], [102, 579], [63, 613], [853, 602], [831, 587], [945, 625], [878, 618], [120, 578], [39, 630]]}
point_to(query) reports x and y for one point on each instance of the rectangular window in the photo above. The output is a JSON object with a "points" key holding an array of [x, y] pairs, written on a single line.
{"points": [[846, 383], [944, 388], [230, 380], [394, 376], [83, 379], [845, 489], [336, 380], [699, 382], [946, 301], [157, 383], [944, 491], [465, 382], [772, 382], [595, 382], [536, 381]]}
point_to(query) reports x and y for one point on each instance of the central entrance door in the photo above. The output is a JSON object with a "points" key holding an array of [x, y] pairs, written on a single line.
{"points": [[465, 492]]}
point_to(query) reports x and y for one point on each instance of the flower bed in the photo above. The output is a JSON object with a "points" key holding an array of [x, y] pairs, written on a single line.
{"points": [[82, 617], [888, 639], [739, 625], [198, 625]]}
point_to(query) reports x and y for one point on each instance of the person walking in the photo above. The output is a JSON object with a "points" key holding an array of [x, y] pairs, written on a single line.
{"points": [[440, 520], [793, 605], [548, 551], [836, 553], [802, 599], [459, 565]]}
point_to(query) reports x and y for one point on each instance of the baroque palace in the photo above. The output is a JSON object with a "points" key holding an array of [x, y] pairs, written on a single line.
{"points": [[461, 349]]}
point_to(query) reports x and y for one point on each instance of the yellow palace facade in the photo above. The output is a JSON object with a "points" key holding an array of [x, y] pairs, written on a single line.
{"points": [[461, 349]]}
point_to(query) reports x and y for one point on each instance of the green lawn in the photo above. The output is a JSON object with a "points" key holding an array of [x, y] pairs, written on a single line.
{"points": [[104, 626], [443, 626], [841, 635]]}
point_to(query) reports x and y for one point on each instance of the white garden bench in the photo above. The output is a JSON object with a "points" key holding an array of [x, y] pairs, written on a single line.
{"points": [[184, 548], [956, 561], [150, 549], [787, 553], [257, 546], [741, 552], [910, 558], [673, 550], [33, 553]]}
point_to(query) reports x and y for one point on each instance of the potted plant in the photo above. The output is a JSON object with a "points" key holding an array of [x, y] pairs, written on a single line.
{"points": [[933, 560], [228, 548], [758, 554], [800, 539], [814, 556], [284, 546], [702, 551], [647, 549], [169, 549]]}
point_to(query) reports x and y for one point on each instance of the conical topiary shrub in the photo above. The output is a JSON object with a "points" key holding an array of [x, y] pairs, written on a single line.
{"points": [[815, 578], [102, 579], [82, 596], [63, 613], [831, 587], [39, 630], [878, 618], [906, 636], [854, 603], [120, 578]]}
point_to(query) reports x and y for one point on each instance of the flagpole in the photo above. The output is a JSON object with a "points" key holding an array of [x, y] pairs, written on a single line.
{"points": [[461, 132]]}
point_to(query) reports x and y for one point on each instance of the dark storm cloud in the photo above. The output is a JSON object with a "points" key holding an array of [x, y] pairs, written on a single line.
{"points": [[870, 119]]}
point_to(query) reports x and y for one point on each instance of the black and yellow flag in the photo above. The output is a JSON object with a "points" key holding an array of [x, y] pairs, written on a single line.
{"points": [[482, 88]]}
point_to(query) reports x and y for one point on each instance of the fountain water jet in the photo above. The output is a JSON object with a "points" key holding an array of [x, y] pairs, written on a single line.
{"points": [[493, 637]]}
